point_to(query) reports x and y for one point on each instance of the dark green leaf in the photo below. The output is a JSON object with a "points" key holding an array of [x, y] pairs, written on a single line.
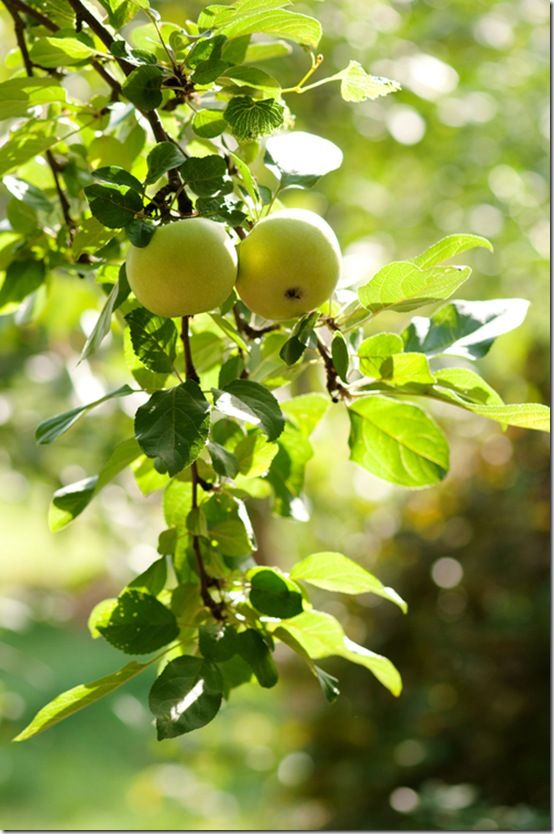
{"points": [[223, 461], [138, 623], [217, 641], [114, 205], [329, 684], [140, 232], [254, 650], [143, 87], [187, 695], [208, 71], [49, 430], [79, 697], [205, 175], [117, 176], [154, 339], [205, 49], [397, 441], [235, 672], [172, 426], [292, 350], [273, 594], [163, 157], [103, 323], [253, 403], [249, 118], [339, 355], [465, 328]]}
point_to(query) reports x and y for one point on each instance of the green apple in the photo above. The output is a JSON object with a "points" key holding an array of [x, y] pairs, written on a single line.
{"points": [[288, 265], [189, 266]]}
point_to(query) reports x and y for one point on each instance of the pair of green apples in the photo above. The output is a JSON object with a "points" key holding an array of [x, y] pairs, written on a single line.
{"points": [[288, 265]]}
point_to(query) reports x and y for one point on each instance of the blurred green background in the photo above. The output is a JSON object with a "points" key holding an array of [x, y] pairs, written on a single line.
{"points": [[463, 147]]}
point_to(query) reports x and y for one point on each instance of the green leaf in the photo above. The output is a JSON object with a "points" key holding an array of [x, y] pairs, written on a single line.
{"points": [[335, 572], [90, 237], [205, 175], [279, 23], [138, 623], [403, 286], [462, 387], [229, 331], [253, 403], [17, 95], [397, 441], [358, 85], [49, 430], [301, 158], [154, 339], [26, 192], [249, 118], [306, 411], [321, 635], [406, 368], [217, 641], [177, 503], [140, 232], [113, 205], [229, 527], [273, 594], [252, 77], [143, 87], [208, 71], [223, 461], [30, 140], [152, 580], [339, 355], [450, 246], [468, 385], [119, 292], [186, 696], [254, 650], [117, 175], [59, 51], [208, 123], [286, 473], [163, 157], [79, 697], [257, 52], [70, 501], [374, 350], [205, 49], [254, 454], [465, 328], [22, 278], [173, 425]]}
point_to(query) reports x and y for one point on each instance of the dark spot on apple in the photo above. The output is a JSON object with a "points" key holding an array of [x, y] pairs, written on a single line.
{"points": [[293, 293]]}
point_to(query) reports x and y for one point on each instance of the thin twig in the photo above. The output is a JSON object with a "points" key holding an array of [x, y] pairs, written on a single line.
{"points": [[19, 28], [206, 581], [336, 390], [248, 330]]}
